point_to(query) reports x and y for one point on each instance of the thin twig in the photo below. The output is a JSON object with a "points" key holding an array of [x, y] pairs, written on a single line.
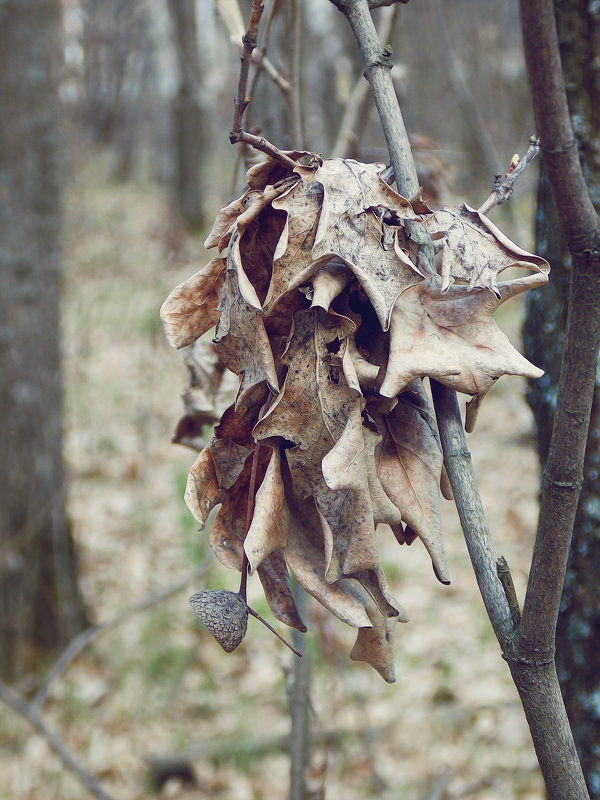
{"points": [[261, 63], [508, 585], [294, 97], [502, 188], [466, 105], [249, 41], [257, 616], [31, 714], [241, 102], [86, 637]]}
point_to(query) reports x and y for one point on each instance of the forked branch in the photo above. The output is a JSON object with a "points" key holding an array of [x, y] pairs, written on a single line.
{"points": [[237, 133]]}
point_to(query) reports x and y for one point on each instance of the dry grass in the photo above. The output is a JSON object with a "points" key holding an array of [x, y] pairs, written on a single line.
{"points": [[451, 727]]}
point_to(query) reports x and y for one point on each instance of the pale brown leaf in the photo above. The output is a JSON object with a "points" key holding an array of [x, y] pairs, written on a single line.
{"points": [[275, 581], [191, 308], [229, 458], [475, 251], [219, 234], [328, 282], [409, 465], [202, 492], [351, 227], [293, 263], [375, 644], [305, 556], [451, 336], [241, 339], [270, 522]]}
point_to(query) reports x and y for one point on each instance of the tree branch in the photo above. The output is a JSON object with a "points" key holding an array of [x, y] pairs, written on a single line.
{"points": [[563, 473], [457, 460], [356, 105], [559, 147]]}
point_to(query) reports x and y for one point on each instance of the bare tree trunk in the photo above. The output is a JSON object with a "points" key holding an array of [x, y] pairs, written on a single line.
{"points": [[187, 113], [40, 605], [578, 632]]}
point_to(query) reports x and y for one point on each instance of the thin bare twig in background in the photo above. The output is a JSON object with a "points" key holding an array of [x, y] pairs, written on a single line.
{"points": [[85, 638], [260, 62], [469, 109], [294, 97], [31, 714]]}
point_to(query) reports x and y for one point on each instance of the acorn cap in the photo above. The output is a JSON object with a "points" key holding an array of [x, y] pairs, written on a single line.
{"points": [[224, 614]]}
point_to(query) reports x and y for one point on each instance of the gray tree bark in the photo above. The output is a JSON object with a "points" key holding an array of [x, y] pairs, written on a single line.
{"points": [[188, 144], [40, 604], [578, 631]]}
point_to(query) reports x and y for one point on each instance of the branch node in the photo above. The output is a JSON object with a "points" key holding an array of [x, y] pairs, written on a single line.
{"points": [[508, 585]]}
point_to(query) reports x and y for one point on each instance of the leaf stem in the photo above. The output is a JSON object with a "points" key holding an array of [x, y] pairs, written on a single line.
{"points": [[257, 616]]}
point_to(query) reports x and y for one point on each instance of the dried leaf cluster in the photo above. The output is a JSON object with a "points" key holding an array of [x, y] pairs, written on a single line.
{"points": [[323, 309]]}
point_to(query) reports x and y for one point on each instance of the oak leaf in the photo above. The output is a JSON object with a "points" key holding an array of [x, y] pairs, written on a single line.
{"points": [[192, 307], [409, 464], [451, 336], [241, 338], [475, 251]]}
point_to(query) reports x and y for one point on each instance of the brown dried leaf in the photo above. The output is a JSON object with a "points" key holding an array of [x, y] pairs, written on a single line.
{"points": [[375, 644], [475, 250], [209, 384], [229, 459], [242, 342], [270, 522], [275, 580], [229, 526], [253, 240], [270, 171], [409, 465], [328, 282], [202, 492], [351, 227], [452, 337], [238, 420], [312, 410], [305, 556], [191, 308], [293, 263], [223, 223]]}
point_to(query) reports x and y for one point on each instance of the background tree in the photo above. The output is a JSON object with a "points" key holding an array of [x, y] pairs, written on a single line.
{"points": [[578, 633], [40, 603], [189, 135]]}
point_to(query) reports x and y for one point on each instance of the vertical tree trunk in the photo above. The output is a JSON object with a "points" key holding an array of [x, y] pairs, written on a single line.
{"points": [[40, 605], [578, 632], [187, 114]]}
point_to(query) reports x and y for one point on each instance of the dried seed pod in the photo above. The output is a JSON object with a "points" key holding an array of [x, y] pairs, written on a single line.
{"points": [[224, 614]]}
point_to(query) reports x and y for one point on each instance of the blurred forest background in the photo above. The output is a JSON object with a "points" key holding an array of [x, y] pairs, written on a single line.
{"points": [[131, 103]]}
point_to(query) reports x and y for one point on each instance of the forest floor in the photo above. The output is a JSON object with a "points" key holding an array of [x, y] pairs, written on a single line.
{"points": [[157, 684]]}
